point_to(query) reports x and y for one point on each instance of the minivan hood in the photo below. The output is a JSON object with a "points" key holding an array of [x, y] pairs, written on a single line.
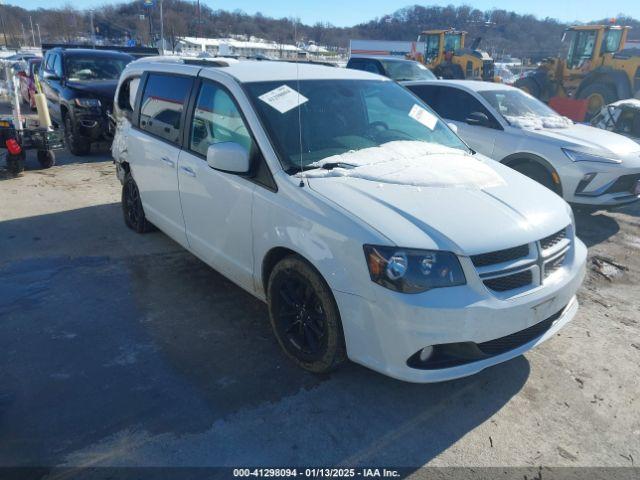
{"points": [[439, 198], [591, 139]]}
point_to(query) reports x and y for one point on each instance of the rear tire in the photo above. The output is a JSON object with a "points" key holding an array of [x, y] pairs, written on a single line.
{"points": [[528, 85], [46, 158], [305, 317], [132, 209], [597, 95], [77, 144]]}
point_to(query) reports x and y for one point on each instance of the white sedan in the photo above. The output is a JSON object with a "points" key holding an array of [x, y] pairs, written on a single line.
{"points": [[583, 164]]}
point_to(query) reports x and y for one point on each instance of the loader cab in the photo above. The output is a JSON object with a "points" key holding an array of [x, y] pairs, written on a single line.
{"points": [[585, 45], [440, 43]]}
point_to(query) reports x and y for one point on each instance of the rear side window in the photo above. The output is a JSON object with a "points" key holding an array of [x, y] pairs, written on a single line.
{"points": [[217, 119], [162, 105], [366, 65], [127, 94]]}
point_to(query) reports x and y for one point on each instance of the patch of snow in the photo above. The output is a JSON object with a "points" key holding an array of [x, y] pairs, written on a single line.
{"points": [[537, 122], [413, 163]]}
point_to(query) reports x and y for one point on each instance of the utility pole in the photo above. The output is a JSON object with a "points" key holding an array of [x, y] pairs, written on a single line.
{"points": [[24, 35], [33, 35], [39, 37], [4, 31], [199, 21], [161, 29], [93, 30]]}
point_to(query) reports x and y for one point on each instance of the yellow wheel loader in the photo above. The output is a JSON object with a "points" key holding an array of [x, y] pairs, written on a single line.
{"points": [[595, 68], [445, 54]]}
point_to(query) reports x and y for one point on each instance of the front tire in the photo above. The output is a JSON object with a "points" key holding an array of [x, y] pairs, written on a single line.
{"points": [[77, 144], [304, 316], [597, 96], [538, 173], [132, 209]]}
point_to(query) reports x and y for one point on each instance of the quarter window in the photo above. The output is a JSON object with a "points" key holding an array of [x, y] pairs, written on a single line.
{"points": [[162, 105], [216, 119]]}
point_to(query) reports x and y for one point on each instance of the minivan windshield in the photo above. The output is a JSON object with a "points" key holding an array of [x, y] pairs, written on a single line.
{"points": [[339, 116], [80, 69], [522, 110], [406, 70]]}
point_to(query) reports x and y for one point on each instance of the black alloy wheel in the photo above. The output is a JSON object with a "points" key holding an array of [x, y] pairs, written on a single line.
{"points": [[305, 317], [132, 209]]}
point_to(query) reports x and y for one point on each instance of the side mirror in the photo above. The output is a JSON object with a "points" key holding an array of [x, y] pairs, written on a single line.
{"points": [[453, 127], [478, 119], [228, 157], [49, 76]]}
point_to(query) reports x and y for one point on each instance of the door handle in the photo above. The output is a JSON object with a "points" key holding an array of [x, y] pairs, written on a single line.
{"points": [[188, 171], [168, 162]]}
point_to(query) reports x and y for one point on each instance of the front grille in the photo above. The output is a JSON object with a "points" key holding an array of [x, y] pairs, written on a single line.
{"points": [[554, 265], [517, 339], [510, 282], [624, 184], [500, 256], [554, 239]]}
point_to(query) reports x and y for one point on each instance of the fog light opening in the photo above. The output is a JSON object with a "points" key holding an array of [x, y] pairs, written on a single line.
{"points": [[426, 353], [586, 180]]}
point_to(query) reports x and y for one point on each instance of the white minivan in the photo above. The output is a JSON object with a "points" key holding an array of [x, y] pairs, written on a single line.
{"points": [[339, 198]]}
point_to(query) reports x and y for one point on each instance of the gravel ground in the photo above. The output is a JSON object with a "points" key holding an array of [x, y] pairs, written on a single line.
{"points": [[122, 349]]}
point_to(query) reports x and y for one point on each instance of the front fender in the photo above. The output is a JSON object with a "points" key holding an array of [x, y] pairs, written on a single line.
{"points": [[298, 220]]}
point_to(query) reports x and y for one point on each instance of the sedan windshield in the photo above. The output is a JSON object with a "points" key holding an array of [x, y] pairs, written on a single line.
{"points": [[405, 70], [522, 110], [310, 120], [80, 69]]}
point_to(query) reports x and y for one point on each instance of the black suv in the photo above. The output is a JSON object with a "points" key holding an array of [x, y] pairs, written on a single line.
{"points": [[80, 85]]}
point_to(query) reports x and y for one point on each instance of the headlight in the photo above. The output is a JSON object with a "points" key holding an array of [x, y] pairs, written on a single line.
{"points": [[413, 271], [87, 102], [586, 157]]}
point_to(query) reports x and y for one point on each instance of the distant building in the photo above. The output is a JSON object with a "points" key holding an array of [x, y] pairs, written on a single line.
{"points": [[253, 47]]}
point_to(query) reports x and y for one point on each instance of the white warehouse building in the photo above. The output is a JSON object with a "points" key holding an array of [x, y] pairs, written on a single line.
{"points": [[243, 48]]}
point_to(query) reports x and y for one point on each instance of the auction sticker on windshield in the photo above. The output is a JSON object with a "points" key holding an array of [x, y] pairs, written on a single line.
{"points": [[283, 98], [423, 116]]}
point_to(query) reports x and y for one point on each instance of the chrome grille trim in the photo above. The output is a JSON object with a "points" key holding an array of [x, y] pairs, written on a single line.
{"points": [[544, 258]]}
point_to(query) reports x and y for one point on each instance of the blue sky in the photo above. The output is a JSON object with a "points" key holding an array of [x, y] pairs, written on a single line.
{"points": [[338, 13]]}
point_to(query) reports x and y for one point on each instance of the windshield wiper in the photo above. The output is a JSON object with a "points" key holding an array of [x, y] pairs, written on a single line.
{"points": [[326, 166], [332, 165]]}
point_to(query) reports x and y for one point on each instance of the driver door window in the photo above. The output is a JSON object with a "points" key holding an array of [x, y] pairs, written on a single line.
{"points": [[457, 105], [216, 119]]}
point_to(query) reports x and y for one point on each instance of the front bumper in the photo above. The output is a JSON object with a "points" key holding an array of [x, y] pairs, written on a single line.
{"points": [[601, 185], [92, 124], [383, 334]]}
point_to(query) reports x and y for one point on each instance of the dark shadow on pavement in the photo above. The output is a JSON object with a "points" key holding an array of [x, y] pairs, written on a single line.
{"points": [[594, 228], [96, 344]]}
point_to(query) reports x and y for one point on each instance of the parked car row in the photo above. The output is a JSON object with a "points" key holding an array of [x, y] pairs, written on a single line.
{"points": [[374, 230], [344, 201]]}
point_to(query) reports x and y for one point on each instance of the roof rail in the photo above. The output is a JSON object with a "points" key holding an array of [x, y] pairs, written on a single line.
{"points": [[133, 51]]}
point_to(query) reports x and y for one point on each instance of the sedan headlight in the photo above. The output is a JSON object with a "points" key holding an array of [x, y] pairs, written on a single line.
{"points": [[413, 271], [87, 102], [586, 157]]}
